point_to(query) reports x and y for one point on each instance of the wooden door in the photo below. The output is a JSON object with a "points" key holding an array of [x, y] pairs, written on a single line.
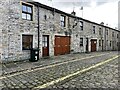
{"points": [[93, 45], [102, 45], [62, 45], [57, 48], [45, 45]]}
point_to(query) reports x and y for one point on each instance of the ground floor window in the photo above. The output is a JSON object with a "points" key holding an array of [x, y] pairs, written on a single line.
{"points": [[81, 41], [27, 42], [99, 42], [117, 44], [110, 43]]}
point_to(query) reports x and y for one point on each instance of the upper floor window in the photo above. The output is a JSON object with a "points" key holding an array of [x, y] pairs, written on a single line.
{"points": [[110, 43], [81, 41], [27, 42], [62, 21], [106, 31], [117, 36], [112, 34], [27, 12], [93, 29], [100, 31], [81, 25]]}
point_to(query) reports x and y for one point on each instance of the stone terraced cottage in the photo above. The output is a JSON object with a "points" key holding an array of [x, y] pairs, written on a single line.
{"points": [[25, 25]]}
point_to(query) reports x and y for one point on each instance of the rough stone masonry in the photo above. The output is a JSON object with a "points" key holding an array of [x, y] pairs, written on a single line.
{"points": [[13, 27]]}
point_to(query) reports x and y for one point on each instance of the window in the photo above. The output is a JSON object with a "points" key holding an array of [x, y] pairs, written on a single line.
{"points": [[100, 32], [27, 12], [62, 21], [117, 36], [81, 25], [93, 29], [106, 31], [112, 34], [99, 42], [117, 44], [110, 43], [81, 41], [27, 42], [44, 41]]}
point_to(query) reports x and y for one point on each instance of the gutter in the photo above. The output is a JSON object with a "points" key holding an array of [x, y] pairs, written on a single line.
{"points": [[38, 29]]}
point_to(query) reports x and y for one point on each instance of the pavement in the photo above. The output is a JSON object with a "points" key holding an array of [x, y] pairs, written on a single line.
{"points": [[51, 72], [13, 67]]}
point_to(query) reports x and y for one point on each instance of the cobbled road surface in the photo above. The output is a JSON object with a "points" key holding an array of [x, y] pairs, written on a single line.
{"points": [[92, 71]]}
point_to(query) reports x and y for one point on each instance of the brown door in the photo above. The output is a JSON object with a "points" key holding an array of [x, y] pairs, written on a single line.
{"points": [[62, 45], [57, 48], [93, 45], [45, 45], [102, 45]]}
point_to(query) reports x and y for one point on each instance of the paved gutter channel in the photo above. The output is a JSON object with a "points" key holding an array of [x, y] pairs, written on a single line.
{"points": [[40, 77]]}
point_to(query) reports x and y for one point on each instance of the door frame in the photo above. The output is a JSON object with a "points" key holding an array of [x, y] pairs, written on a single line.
{"points": [[95, 40]]}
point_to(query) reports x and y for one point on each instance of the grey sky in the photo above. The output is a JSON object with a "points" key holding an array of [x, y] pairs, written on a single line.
{"points": [[85, 3]]}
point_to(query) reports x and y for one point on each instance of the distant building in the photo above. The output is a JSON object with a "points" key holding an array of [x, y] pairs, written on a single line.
{"points": [[27, 25]]}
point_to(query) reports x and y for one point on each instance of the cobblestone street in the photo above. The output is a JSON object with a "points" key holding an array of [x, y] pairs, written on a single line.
{"points": [[60, 72], [59, 44], [105, 76]]}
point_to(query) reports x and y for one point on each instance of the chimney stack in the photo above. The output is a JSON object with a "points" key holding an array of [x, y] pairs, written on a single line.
{"points": [[73, 13]]}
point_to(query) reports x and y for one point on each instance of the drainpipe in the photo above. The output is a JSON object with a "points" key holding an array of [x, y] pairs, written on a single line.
{"points": [[38, 29]]}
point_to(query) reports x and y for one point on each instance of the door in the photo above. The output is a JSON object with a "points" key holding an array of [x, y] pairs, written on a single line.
{"points": [[93, 45], [102, 45], [62, 45], [87, 48], [45, 45]]}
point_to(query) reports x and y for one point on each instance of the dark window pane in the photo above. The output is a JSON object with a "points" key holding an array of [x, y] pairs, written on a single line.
{"points": [[99, 42], [93, 29], [27, 41], [81, 41]]}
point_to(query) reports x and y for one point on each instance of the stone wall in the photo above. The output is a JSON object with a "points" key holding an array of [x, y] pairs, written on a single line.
{"points": [[13, 26], [4, 27]]}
